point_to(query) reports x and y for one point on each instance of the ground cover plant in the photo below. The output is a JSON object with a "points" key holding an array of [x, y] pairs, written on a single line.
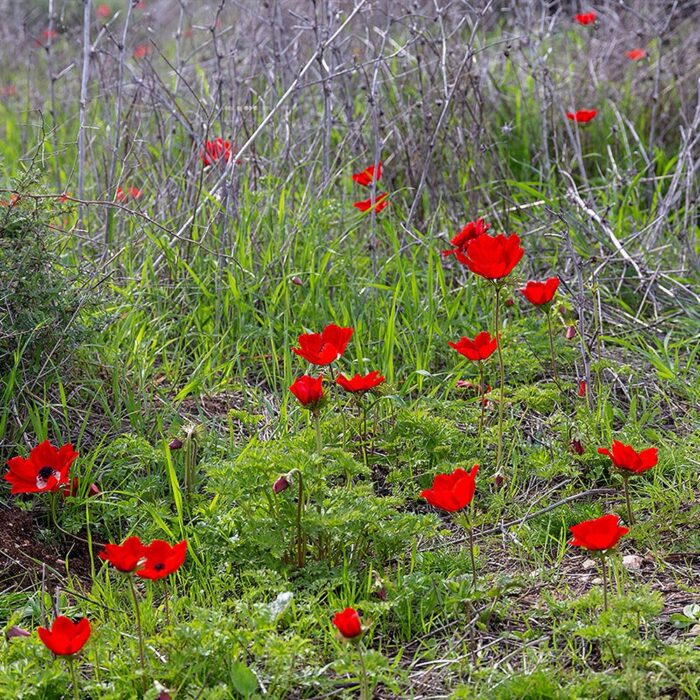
{"points": [[349, 349]]}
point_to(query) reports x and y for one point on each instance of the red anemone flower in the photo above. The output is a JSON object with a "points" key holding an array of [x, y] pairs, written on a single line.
{"points": [[493, 257], [582, 388], [216, 151], [308, 390], [359, 384], [366, 177], [103, 10], [636, 54], [65, 637], [452, 492], [540, 293], [467, 234], [627, 458], [124, 557], [348, 623], [325, 347], [381, 201], [585, 18], [482, 347], [46, 469], [599, 534], [141, 51], [582, 116], [162, 559]]}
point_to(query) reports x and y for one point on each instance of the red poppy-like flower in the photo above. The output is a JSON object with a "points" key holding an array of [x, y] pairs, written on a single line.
{"points": [[8, 90], [360, 384], [131, 192], [582, 116], [582, 388], [49, 34], [493, 257], [636, 54], [540, 293], [348, 623], [65, 637], [141, 51], [365, 177], [482, 347], [381, 201], [309, 390], [46, 469], [585, 18], [161, 559], [325, 347], [452, 492], [124, 557], [216, 151], [598, 534], [467, 234], [627, 458], [103, 10]]}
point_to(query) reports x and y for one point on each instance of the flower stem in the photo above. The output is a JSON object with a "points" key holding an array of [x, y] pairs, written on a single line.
{"points": [[300, 508], [605, 582], [364, 680], [630, 517], [551, 346], [482, 391], [496, 323], [139, 630], [470, 530], [53, 505], [74, 676], [166, 602], [319, 437]]}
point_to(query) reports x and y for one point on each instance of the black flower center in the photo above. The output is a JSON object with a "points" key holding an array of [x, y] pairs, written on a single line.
{"points": [[45, 473], [159, 566]]}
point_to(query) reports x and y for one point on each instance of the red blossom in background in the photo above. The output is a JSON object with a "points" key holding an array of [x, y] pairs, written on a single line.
{"points": [[584, 18], [599, 534], [493, 257], [216, 151], [481, 348], [348, 623], [325, 347], [582, 388], [161, 559], [141, 51], [124, 557], [360, 384], [452, 492], [103, 11], [131, 192], [308, 390], [46, 469], [466, 235], [540, 293], [627, 458], [65, 637], [381, 201], [636, 54], [582, 116], [366, 176]]}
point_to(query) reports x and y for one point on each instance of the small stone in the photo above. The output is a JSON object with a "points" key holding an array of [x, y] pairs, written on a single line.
{"points": [[632, 562], [589, 564]]}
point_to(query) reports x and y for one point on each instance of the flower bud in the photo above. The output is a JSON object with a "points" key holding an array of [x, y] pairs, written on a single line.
{"points": [[15, 631], [498, 480], [281, 484], [175, 444], [298, 281], [571, 332], [576, 447], [509, 302]]}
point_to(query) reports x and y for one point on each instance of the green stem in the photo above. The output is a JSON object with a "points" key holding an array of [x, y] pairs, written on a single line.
{"points": [[605, 582], [300, 508], [364, 680], [139, 630], [496, 323], [53, 504], [319, 437], [364, 432], [630, 517], [74, 676], [166, 602], [551, 346], [482, 391], [470, 530]]}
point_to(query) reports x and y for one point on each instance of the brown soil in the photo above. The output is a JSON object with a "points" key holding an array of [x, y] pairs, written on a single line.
{"points": [[27, 559]]}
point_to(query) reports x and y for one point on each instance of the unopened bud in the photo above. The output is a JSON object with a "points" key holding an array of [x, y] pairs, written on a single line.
{"points": [[281, 484], [562, 310], [498, 480], [15, 631], [298, 281], [576, 447], [175, 444], [571, 332], [509, 302]]}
